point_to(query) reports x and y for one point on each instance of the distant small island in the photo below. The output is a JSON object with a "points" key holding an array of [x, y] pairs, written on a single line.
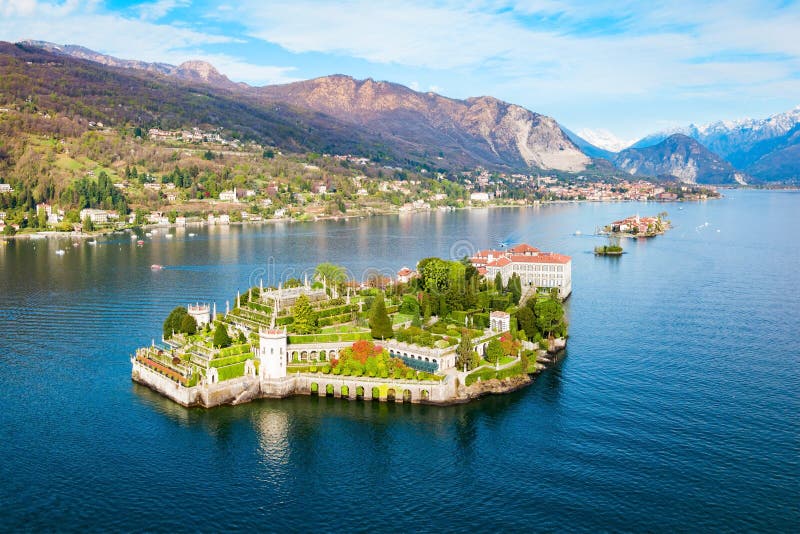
{"points": [[636, 226], [445, 333], [608, 250]]}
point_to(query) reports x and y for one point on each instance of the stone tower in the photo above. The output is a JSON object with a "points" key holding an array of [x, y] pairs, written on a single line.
{"points": [[272, 353]]}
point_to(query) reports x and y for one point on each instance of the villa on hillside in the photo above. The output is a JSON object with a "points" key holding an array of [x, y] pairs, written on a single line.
{"points": [[535, 268]]}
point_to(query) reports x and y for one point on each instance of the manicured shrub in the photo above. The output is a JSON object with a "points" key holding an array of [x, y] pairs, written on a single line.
{"points": [[326, 369]]}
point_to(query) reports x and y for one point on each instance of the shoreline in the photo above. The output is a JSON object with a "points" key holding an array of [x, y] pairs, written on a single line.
{"points": [[53, 234], [249, 388]]}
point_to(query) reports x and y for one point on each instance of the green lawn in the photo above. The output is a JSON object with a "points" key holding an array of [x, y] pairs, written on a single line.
{"points": [[401, 318]]}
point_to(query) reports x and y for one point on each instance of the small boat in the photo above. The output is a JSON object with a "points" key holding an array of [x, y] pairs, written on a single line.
{"points": [[148, 234], [169, 236], [60, 252], [92, 243], [134, 237], [140, 242], [192, 235], [578, 232], [156, 267], [75, 244]]}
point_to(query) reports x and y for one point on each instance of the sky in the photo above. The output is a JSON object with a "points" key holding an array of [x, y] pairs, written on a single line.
{"points": [[627, 67]]}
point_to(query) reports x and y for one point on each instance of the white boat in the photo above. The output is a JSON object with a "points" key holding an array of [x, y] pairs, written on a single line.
{"points": [[156, 267], [60, 252], [134, 237], [192, 235], [578, 232], [169, 236], [92, 243], [148, 234]]}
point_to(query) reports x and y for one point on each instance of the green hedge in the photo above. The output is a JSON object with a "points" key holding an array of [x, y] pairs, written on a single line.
{"points": [[334, 319], [231, 371], [329, 338], [338, 310], [234, 350], [458, 316], [230, 360]]}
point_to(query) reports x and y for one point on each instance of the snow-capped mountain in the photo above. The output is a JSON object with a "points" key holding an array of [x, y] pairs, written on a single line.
{"points": [[604, 139], [751, 145], [738, 141]]}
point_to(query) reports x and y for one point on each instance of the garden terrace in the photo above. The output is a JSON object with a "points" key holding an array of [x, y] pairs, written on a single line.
{"points": [[489, 373], [334, 337]]}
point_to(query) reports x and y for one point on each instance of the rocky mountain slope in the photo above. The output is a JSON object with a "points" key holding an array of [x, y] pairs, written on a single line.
{"points": [[196, 71], [681, 157], [483, 129], [411, 125], [34, 79]]}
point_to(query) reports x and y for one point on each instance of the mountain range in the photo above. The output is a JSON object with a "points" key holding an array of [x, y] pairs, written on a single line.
{"points": [[384, 121], [681, 157]]}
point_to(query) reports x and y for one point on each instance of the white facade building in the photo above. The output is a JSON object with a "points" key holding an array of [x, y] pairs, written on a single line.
{"points": [[499, 321], [272, 353], [200, 312], [535, 269]]}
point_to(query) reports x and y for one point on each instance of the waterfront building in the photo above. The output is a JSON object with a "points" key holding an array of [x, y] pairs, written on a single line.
{"points": [[536, 269], [95, 215]]}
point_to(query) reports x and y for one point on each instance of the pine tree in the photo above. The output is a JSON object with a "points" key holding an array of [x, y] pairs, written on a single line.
{"points": [[498, 283], [379, 322], [464, 351], [221, 337]]}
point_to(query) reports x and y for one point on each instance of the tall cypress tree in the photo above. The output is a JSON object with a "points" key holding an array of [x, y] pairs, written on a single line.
{"points": [[379, 322]]}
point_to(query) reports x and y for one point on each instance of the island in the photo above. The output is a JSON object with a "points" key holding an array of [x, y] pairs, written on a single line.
{"points": [[636, 226], [444, 333], [608, 250]]}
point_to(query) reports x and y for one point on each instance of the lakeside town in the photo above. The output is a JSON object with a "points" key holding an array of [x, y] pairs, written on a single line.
{"points": [[275, 201], [201, 175], [442, 333]]}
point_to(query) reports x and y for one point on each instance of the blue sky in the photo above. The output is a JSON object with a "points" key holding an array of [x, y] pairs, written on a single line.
{"points": [[627, 67]]}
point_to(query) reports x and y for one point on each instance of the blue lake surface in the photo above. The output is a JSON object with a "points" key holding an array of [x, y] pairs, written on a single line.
{"points": [[676, 407]]}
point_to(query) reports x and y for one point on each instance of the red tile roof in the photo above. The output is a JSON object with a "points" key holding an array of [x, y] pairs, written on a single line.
{"points": [[542, 257], [523, 248], [500, 262]]}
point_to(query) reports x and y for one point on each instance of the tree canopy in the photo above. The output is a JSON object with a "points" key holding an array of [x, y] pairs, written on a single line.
{"points": [[549, 316], [305, 320], [379, 322], [221, 337]]}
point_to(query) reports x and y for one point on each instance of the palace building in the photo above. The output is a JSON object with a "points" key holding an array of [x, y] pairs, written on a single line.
{"points": [[536, 269]]}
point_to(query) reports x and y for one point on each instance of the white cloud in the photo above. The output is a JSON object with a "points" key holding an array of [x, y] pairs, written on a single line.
{"points": [[85, 23], [559, 48], [157, 10]]}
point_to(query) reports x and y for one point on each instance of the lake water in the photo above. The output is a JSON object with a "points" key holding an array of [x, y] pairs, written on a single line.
{"points": [[675, 408]]}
